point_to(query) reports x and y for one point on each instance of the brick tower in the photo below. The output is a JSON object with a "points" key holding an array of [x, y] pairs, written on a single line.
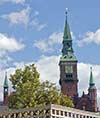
{"points": [[5, 99], [92, 91], [68, 65]]}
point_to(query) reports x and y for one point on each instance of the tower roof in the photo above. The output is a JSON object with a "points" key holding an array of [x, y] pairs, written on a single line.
{"points": [[67, 34], [91, 81], [91, 77], [6, 81], [67, 50]]}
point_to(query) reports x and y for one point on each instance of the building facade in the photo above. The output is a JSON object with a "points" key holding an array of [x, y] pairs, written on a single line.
{"points": [[68, 76], [49, 111]]}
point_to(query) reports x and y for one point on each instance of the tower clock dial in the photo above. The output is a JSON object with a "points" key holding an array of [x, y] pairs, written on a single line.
{"points": [[68, 69]]}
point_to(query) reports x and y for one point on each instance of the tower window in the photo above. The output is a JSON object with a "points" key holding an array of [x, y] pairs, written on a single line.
{"points": [[68, 75]]}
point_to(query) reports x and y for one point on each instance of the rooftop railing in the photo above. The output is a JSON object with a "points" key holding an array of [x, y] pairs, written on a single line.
{"points": [[50, 111]]}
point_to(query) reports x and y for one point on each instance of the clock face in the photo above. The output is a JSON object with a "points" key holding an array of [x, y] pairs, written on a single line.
{"points": [[68, 69]]}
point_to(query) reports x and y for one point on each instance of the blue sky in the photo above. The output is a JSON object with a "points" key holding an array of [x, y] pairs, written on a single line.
{"points": [[31, 31], [50, 15]]}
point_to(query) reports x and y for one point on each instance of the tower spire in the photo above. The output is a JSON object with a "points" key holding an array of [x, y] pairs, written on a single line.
{"points": [[91, 76], [67, 50], [6, 81], [67, 34], [92, 92], [91, 81]]}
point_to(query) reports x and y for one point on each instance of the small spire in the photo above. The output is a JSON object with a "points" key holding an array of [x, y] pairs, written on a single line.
{"points": [[67, 34], [6, 81], [91, 76], [91, 82], [91, 69]]}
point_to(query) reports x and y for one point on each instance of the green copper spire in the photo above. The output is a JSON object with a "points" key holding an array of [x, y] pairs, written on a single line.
{"points": [[67, 50], [67, 34], [6, 81], [91, 77], [91, 82]]}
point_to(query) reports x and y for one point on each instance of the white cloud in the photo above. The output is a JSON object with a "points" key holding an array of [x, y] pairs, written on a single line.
{"points": [[24, 17], [46, 45], [48, 68], [9, 44], [5, 60], [21, 17], [41, 45], [2, 53], [90, 37], [37, 25], [14, 1], [36, 13], [55, 38]]}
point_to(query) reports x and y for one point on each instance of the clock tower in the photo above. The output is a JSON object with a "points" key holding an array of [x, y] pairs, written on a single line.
{"points": [[68, 65]]}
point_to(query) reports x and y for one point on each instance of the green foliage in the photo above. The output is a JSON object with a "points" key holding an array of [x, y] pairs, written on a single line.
{"points": [[30, 92]]}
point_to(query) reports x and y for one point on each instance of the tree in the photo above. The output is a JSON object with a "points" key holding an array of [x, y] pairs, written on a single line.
{"points": [[30, 92]]}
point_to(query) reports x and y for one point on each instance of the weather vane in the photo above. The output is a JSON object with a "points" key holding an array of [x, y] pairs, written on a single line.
{"points": [[91, 68], [66, 10]]}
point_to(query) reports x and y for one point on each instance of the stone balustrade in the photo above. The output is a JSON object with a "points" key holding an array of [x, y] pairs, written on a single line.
{"points": [[50, 111]]}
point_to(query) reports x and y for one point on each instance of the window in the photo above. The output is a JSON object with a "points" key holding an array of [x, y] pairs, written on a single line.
{"points": [[57, 112], [73, 115], [69, 75], [77, 115], [69, 114], [65, 113], [61, 113], [53, 111]]}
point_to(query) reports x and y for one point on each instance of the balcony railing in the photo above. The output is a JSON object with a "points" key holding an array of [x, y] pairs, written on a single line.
{"points": [[50, 111]]}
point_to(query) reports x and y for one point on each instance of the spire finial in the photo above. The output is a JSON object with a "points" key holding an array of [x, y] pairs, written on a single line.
{"points": [[66, 12], [91, 69], [67, 34], [6, 73]]}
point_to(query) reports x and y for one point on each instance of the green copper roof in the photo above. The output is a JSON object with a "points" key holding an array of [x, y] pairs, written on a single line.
{"points": [[67, 50], [70, 57], [91, 77], [67, 34], [6, 81], [92, 84]]}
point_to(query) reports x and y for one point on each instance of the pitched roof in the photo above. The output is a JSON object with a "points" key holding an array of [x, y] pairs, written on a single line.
{"points": [[6, 81], [67, 33]]}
